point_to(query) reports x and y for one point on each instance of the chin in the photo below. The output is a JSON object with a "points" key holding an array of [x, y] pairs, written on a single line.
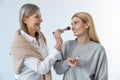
{"points": [[75, 34], [37, 29]]}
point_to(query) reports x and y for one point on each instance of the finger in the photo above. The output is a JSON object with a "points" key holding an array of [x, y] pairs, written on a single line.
{"points": [[58, 31]]}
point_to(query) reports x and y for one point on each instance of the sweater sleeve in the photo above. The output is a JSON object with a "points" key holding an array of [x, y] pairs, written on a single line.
{"points": [[102, 66], [61, 66]]}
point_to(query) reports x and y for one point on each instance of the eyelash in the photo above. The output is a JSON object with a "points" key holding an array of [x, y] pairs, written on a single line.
{"points": [[37, 17], [74, 23]]}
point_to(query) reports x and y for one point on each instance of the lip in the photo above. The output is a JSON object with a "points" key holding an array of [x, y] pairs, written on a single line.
{"points": [[37, 24]]}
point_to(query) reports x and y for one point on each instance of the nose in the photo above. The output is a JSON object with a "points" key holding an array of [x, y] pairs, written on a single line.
{"points": [[72, 27], [40, 19]]}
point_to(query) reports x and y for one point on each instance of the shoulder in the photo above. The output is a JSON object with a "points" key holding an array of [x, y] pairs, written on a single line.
{"points": [[98, 48], [97, 45], [69, 42]]}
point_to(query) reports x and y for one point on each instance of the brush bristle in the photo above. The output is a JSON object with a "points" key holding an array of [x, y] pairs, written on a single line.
{"points": [[68, 28]]}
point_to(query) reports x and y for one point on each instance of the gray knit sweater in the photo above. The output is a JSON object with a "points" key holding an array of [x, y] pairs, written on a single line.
{"points": [[92, 65]]}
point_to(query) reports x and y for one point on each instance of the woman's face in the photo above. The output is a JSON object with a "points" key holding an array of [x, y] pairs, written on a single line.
{"points": [[79, 28], [33, 22]]}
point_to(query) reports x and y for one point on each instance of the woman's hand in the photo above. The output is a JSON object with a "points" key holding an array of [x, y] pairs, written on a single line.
{"points": [[72, 62], [59, 41]]}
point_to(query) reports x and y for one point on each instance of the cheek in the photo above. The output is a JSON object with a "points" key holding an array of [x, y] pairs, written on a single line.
{"points": [[81, 29]]}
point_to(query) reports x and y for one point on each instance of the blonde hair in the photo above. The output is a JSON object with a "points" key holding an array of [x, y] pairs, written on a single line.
{"points": [[26, 11], [86, 17]]}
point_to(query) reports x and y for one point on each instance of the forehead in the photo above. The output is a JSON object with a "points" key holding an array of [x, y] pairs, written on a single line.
{"points": [[75, 19], [37, 12]]}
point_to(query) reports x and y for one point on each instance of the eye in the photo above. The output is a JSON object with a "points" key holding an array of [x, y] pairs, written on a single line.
{"points": [[37, 16], [75, 22]]}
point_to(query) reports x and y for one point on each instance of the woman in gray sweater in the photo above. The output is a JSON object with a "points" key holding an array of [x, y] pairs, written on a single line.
{"points": [[83, 58]]}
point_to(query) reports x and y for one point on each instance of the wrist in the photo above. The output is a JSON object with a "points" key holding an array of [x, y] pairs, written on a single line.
{"points": [[57, 47]]}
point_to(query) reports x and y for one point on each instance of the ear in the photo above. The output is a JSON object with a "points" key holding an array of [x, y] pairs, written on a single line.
{"points": [[24, 19], [87, 25]]}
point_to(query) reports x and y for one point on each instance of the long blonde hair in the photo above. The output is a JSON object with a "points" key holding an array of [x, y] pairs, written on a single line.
{"points": [[86, 17]]}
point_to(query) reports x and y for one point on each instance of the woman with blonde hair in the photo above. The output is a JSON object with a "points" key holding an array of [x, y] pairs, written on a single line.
{"points": [[31, 58], [83, 58]]}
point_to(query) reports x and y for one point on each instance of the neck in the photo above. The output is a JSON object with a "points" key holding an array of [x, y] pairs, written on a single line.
{"points": [[32, 33], [83, 39]]}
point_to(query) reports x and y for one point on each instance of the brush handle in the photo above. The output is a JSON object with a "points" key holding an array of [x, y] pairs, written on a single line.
{"points": [[67, 28], [77, 58]]}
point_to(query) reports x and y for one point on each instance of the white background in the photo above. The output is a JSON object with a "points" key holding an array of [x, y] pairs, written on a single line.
{"points": [[57, 14]]}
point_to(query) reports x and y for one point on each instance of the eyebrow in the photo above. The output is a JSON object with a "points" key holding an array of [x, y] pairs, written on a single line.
{"points": [[37, 15], [75, 21]]}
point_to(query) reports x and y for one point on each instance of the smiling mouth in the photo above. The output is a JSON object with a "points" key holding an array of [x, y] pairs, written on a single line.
{"points": [[74, 30], [38, 24]]}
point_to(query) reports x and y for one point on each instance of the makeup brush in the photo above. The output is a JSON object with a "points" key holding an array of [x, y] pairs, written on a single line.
{"points": [[65, 29]]}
